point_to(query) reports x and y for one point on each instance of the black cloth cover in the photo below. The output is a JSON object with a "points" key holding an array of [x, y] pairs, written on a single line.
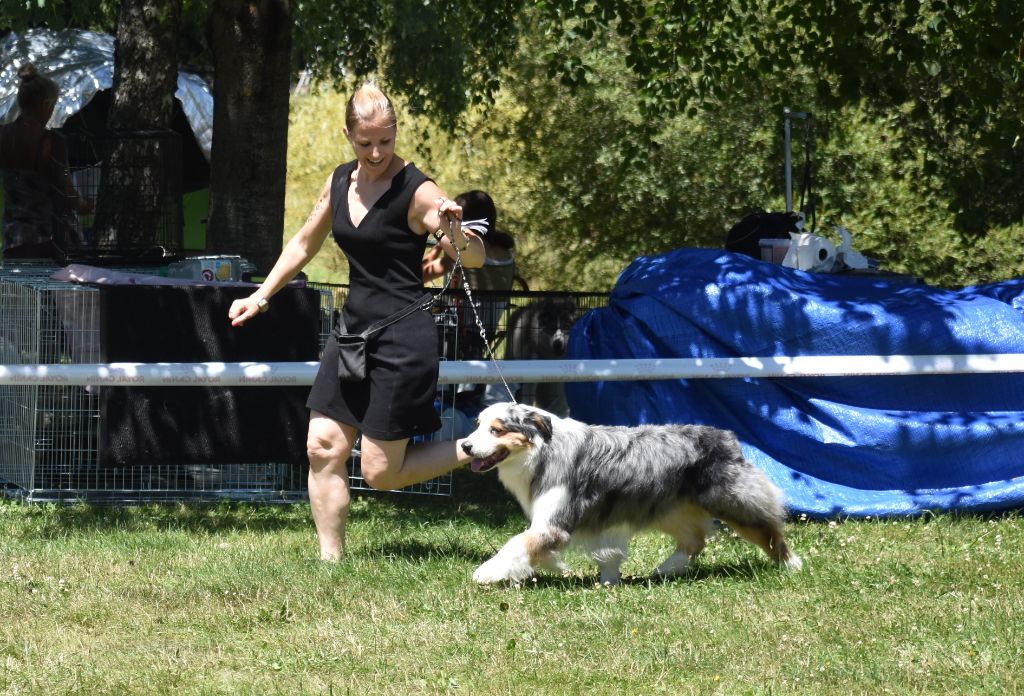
{"points": [[196, 424]]}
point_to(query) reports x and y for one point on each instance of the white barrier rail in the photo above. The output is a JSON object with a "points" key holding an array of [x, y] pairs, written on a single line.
{"points": [[482, 371]]}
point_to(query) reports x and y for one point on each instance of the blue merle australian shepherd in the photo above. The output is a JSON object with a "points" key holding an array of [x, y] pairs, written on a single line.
{"points": [[600, 485]]}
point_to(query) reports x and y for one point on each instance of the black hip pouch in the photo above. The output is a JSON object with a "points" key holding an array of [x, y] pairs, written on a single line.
{"points": [[351, 357], [352, 347]]}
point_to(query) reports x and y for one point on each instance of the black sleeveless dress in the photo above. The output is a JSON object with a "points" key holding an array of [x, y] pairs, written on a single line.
{"points": [[396, 400]]}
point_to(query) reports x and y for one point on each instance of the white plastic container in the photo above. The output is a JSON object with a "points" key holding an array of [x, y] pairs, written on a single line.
{"points": [[207, 268]]}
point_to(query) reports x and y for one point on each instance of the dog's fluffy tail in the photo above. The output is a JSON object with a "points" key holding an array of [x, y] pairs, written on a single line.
{"points": [[753, 499], [753, 507]]}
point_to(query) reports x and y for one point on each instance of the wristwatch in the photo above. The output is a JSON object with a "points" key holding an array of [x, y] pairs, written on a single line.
{"points": [[263, 304]]}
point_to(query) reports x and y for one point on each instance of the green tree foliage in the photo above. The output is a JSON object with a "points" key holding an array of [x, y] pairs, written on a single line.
{"points": [[662, 128], [623, 127], [586, 181], [950, 72], [59, 14], [101, 15], [897, 205], [587, 178], [439, 56], [886, 52]]}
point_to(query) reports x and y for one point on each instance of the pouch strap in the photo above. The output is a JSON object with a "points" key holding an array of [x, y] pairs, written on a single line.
{"points": [[422, 303]]}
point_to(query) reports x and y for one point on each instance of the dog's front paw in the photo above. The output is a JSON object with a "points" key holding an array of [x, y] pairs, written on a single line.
{"points": [[496, 570]]}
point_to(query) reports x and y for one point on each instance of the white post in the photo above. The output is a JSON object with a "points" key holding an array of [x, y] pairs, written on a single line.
{"points": [[787, 139]]}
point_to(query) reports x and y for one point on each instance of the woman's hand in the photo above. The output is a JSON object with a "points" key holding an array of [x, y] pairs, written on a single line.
{"points": [[434, 213], [449, 208], [246, 308], [449, 220]]}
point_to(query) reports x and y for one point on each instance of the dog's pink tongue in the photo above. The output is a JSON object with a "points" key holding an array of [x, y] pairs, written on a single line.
{"points": [[476, 464]]}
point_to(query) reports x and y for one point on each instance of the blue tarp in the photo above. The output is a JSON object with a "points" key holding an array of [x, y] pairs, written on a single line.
{"points": [[848, 446]]}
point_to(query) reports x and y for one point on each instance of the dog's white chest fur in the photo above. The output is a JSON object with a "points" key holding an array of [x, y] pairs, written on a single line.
{"points": [[516, 479]]}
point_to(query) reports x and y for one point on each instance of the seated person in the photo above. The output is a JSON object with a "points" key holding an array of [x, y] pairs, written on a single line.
{"points": [[480, 217], [497, 274], [498, 271], [38, 194]]}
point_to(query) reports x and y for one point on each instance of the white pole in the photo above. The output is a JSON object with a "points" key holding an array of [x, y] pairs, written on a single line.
{"points": [[481, 371], [786, 158], [787, 150]]}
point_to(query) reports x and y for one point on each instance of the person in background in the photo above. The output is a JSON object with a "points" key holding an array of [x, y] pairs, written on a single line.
{"points": [[495, 279], [380, 209], [480, 216], [38, 193]]}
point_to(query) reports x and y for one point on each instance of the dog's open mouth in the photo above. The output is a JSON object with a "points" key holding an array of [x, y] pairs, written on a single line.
{"points": [[481, 465]]}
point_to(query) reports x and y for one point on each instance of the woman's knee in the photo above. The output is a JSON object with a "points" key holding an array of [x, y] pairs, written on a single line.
{"points": [[381, 464], [376, 471], [326, 444]]}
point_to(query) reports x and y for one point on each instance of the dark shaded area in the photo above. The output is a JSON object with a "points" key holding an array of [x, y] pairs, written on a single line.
{"points": [[478, 499], [744, 237], [91, 122], [195, 424]]}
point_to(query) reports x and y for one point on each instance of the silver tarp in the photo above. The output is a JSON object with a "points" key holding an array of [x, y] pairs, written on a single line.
{"points": [[82, 64]]}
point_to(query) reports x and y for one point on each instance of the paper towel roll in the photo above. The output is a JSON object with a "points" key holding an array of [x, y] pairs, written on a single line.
{"points": [[809, 252]]}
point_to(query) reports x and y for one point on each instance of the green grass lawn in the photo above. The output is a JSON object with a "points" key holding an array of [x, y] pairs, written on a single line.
{"points": [[229, 599]]}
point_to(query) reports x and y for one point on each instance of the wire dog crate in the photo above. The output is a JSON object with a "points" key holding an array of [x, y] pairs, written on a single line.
{"points": [[50, 434], [134, 181]]}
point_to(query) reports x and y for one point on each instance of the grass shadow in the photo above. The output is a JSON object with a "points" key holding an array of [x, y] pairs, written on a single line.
{"points": [[55, 521], [424, 551], [740, 570], [52, 521]]}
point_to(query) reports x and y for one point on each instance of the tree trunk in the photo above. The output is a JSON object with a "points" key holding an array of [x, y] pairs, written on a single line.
{"points": [[251, 44], [140, 194]]}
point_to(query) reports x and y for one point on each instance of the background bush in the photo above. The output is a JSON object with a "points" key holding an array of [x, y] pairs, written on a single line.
{"points": [[586, 183]]}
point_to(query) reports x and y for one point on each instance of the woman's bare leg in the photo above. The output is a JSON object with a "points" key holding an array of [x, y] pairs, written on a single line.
{"points": [[390, 464], [329, 445]]}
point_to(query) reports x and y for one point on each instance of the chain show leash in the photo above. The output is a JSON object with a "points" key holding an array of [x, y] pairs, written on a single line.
{"points": [[472, 304]]}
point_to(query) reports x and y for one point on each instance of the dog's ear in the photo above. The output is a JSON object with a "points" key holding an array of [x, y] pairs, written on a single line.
{"points": [[573, 308], [543, 424]]}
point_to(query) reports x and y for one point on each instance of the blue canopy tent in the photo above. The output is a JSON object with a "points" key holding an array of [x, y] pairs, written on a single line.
{"points": [[851, 446]]}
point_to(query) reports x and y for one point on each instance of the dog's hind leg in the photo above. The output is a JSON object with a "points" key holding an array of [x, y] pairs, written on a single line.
{"points": [[609, 550], [689, 526], [752, 506], [769, 538]]}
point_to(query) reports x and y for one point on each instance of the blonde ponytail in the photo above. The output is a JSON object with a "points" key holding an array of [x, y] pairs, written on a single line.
{"points": [[369, 103]]}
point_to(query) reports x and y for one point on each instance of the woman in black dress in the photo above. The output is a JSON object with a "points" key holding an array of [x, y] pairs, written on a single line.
{"points": [[379, 209]]}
